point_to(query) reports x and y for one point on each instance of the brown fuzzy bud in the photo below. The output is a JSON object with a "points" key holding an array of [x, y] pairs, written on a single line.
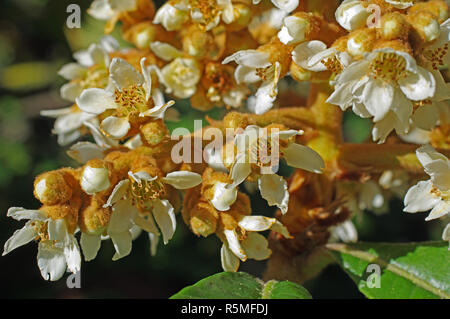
{"points": [[51, 188]]}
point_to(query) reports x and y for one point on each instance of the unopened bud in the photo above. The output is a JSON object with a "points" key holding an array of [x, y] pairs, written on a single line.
{"points": [[94, 178], [51, 188], [352, 15]]}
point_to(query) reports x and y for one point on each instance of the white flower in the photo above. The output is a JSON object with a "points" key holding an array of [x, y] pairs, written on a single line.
{"points": [[352, 15], [314, 56], [90, 70], [181, 75], [383, 86], [253, 67], [261, 151], [130, 96], [171, 18], [285, 5], [252, 245], [434, 193], [137, 201], [57, 249]]}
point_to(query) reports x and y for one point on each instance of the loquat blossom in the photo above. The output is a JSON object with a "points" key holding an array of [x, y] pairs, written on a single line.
{"points": [[285, 5], [57, 248], [384, 86], [257, 153], [130, 99], [244, 242], [253, 67], [138, 201]]}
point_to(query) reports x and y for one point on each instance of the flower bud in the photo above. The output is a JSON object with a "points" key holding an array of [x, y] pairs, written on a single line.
{"points": [[170, 17], [242, 17], [51, 188], [361, 41], [153, 133], [203, 219], [426, 26], [393, 26], [352, 15], [95, 177], [94, 218], [293, 30]]}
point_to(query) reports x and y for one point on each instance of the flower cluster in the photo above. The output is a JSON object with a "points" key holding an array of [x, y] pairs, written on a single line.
{"points": [[385, 60]]}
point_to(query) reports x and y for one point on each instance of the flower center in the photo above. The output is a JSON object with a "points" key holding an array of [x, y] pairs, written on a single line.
{"points": [[41, 229], [131, 101], [436, 56], [333, 65], [445, 195], [219, 80], [144, 191], [208, 9], [96, 77], [264, 152], [388, 67]]}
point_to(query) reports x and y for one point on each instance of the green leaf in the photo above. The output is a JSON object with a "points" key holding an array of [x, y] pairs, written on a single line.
{"points": [[407, 271], [240, 285]]}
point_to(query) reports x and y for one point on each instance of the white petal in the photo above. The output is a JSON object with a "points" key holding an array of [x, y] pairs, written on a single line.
{"points": [[346, 232], [256, 246], [419, 198], [154, 240], [20, 213], [118, 193], [229, 261], [286, 5], [273, 188], [72, 71], [124, 74], [122, 217], [165, 218], [51, 262], [116, 127], [165, 51], [57, 230], [300, 156], [90, 244], [147, 223], [256, 223], [234, 245], [240, 171], [378, 99], [85, 151], [418, 86], [20, 237], [224, 196], [440, 210], [95, 101], [249, 58], [122, 244], [70, 91], [303, 55], [281, 229], [72, 255], [101, 9], [183, 179], [158, 111]]}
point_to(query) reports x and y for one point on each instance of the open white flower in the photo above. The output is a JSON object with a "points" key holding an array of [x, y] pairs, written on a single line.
{"points": [[345, 232], [352, 15], [207, 14], [254, 67], [259, 153], [90, 70], [181, 75], [138, 201], [434, 193], [247, 243], [57, 249], [383, 86], [315, 56], [285, 5], [131, 96]]}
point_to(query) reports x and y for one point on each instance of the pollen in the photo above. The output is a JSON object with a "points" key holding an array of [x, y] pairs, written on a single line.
{"points": [[436, 56], [208, 9], [333, 65], [388, 67], [144, 191], [131, 101]]}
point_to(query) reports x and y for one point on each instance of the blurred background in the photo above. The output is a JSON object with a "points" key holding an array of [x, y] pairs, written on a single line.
{"points": [[34, 44]]}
